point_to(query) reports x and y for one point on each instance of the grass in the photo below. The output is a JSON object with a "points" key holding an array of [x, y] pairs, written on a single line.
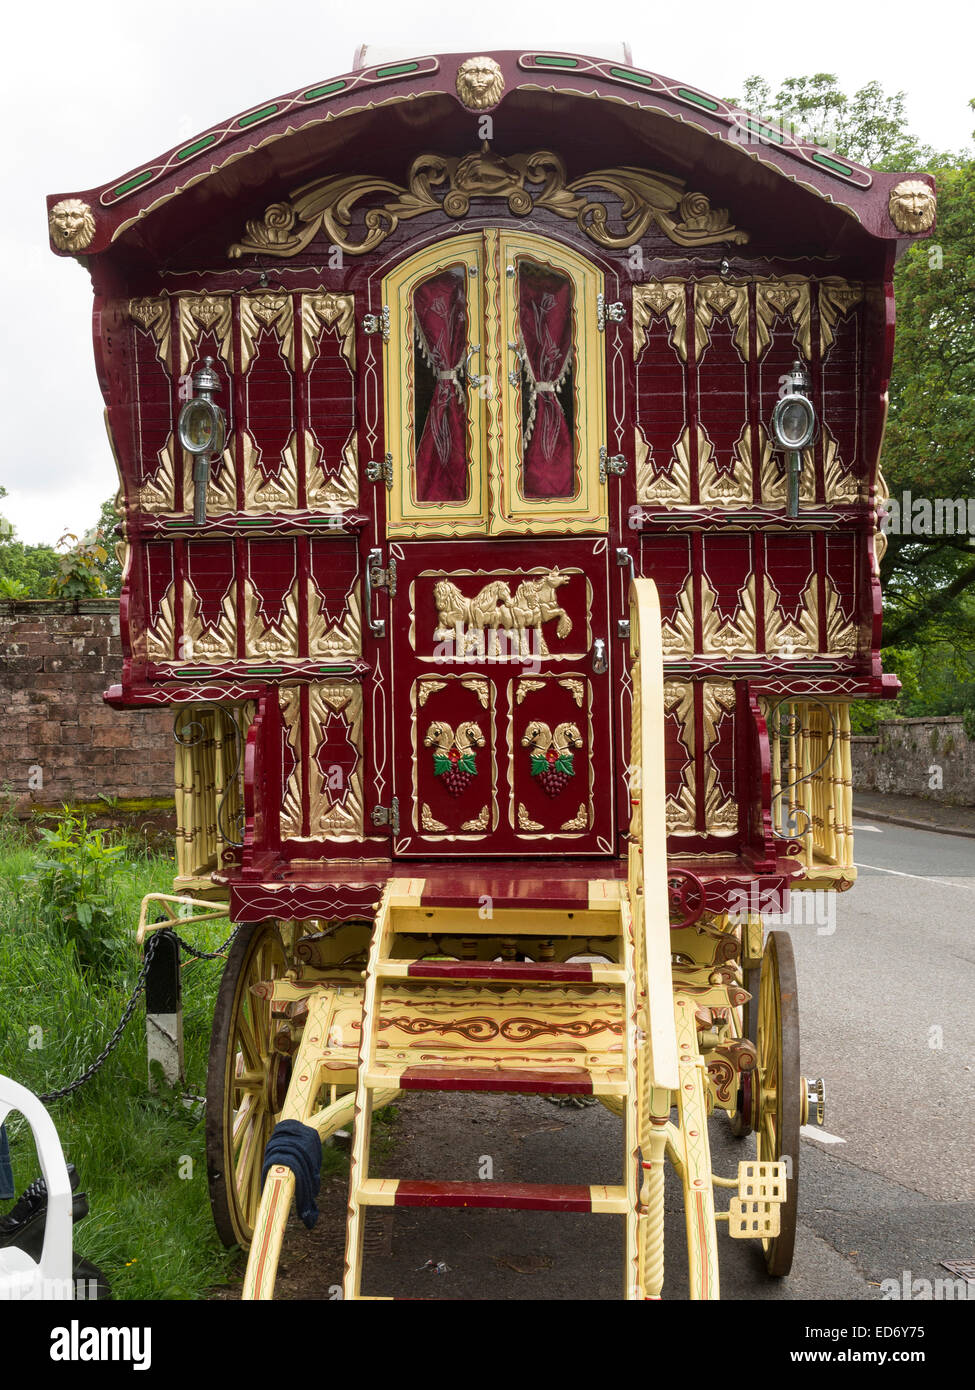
{"points": [[141, 1157]]}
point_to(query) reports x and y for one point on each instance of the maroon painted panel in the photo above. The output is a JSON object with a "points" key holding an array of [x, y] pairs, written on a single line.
{"points": [[495, 698]]}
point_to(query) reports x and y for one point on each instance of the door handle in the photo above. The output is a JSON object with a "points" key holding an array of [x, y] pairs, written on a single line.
{"points": [[377, 626], [600, 661]]}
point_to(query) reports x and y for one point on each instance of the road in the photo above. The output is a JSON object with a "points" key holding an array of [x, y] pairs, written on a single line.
{"points": [[885, 991]]}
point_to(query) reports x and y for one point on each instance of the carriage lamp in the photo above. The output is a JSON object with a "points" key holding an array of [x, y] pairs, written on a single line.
{"points": [[794, 428], [202, 433]]}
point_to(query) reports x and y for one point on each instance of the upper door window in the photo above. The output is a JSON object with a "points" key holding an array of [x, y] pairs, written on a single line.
{"points": [[495, 389]]}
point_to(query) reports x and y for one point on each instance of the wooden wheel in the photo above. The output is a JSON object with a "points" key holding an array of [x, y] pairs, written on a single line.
{"points": [[779, 1102], [246, 1082]]}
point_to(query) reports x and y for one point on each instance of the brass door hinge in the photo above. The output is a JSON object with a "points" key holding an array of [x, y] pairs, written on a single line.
{"points": [[387, 815], [377, 323], [381, 471], [608, 313], [610, 463]]}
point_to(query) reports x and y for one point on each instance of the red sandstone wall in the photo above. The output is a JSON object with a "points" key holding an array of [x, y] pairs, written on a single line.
{"points": [[56, 659]]}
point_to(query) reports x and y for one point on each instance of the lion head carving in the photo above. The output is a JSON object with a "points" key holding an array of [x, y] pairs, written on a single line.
{"points": [[912, 206], [71, 225], [479, 83]]}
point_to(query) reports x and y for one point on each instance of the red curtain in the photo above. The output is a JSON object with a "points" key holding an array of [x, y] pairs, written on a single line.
{"points": [[440, 318], [545, 317]]}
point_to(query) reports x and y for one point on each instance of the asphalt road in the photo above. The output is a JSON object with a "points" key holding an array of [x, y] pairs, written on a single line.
{"points": [[885, 996]]}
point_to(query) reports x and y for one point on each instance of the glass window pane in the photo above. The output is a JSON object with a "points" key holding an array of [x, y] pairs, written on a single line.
{"points": [[439, 390]]}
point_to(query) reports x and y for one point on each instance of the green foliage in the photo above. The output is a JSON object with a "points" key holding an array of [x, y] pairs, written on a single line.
{"points": [[73, 881], [149, 1227], [78, 573], [870, 126]]}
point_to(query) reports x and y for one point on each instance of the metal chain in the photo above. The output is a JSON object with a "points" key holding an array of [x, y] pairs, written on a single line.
{"points": [[140, 985], [204, 955], [113, 1041]]}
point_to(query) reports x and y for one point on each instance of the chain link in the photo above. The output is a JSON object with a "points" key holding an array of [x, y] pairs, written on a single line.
{"points": [[140, 985]]}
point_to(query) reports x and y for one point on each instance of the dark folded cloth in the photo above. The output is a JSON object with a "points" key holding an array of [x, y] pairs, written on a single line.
{"points": [[299, 1148]]}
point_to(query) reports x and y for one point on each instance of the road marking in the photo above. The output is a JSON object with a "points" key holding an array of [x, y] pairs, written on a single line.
{"points": [[924, 878], [824, 1137], [874, 829]]}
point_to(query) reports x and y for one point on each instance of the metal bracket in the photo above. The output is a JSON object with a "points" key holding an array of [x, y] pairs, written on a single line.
{"points": [[623, 629], [378, 577], [611, 463], [608, 313], [377, 323], [381, 471], [387, 815]]}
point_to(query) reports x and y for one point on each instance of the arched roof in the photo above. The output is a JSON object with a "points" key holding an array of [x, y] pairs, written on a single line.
{"points": [[276, 145]]}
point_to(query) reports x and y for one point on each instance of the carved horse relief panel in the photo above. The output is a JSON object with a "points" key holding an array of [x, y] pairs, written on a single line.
{"points": [[501, 709]]}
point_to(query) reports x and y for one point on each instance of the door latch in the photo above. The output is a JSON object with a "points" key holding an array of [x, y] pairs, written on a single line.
{"points": [[600, 661], [381, 471], [611, 463], [387, 815], [379, 577]]}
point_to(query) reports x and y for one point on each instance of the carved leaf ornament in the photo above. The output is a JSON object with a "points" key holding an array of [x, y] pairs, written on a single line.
{"points": [[526, 182]]}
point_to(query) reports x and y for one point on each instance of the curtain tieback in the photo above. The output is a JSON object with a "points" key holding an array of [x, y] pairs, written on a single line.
{"points": [[546, 386]]}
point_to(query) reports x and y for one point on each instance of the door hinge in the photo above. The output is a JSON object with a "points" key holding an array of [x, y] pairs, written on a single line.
{"points": [[608, 313], [610, 463], [377, 323], [387, 815], [381, 471]]}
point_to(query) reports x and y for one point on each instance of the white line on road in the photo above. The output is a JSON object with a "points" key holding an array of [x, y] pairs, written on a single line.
{"points": [[924, 878], [824, 1137], [874, 829]]}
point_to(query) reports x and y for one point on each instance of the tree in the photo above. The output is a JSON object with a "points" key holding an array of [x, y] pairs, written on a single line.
{"points": [[929, 449]]}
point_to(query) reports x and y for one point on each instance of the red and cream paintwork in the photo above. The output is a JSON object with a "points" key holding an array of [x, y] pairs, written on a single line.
{"points": [[498, 340]]}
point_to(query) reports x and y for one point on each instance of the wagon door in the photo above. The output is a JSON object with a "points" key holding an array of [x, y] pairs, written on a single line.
{"points": [[498, 551]]}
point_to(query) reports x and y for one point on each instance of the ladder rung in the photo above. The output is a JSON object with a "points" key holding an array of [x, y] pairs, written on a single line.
{"points": [[505, 972], [509, 1196], [566, 1081]]}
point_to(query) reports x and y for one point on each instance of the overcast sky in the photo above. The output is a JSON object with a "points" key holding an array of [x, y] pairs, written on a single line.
{"points": [[94, 88]]}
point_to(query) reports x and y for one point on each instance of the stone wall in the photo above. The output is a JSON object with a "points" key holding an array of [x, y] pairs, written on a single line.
{"points": [[930, 757], [59, 741]]}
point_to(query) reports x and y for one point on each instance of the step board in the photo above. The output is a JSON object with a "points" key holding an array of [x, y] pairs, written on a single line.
{"points": [[501, 1196], [568, 1081], [504, 972]]}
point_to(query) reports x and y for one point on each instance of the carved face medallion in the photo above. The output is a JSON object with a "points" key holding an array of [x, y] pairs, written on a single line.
{"points": [[479, 83], [71, 225], [912, 206]]}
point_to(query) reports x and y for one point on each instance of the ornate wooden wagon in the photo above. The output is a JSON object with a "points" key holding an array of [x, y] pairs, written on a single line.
{"points": [[498, 440]]}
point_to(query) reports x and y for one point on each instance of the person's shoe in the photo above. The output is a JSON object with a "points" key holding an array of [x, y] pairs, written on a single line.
{"points": [[23, 1225]]}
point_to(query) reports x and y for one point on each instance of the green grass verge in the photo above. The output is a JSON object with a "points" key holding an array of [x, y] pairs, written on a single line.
{"points": [[141, 1157]]}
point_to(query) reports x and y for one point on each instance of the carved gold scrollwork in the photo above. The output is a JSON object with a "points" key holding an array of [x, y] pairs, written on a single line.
{"points": [[201, 313], [265, 639], [289, 702], [525, 821], [657, 299], [154, 316], [334, 311], [714, 297], [785, 638], [646, 200], [335, 812], [259, 312], [728, 636]]}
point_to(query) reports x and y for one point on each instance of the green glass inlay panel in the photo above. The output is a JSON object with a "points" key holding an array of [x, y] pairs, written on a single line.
{"points": [[766, 131], [266, 671], [544, 61], [129, 184], [258, 115], [397, 70], [193, 671], [335, 521], [833, 164], [644, 78], [697, 99], [196, 146], [325, 91]]}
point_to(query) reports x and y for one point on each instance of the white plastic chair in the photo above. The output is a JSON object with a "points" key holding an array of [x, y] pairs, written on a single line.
{"points": [[50, 1278]]}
